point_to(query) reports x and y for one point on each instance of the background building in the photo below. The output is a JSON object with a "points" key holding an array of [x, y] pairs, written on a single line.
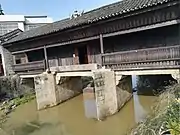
{"points": [[9, 23], [10, 27]]}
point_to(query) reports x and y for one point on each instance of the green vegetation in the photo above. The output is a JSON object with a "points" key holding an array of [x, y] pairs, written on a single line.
{"points": [[165, 117], [10, 105], [21, 100]]}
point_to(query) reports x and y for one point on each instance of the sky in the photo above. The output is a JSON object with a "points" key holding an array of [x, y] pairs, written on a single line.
{"points": [[57, 9]]}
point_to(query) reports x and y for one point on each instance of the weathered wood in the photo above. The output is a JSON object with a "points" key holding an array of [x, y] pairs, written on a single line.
{"points": [[31, 66], [53, 62], [46, 58], [143, 58], [28, 50], [158, 25], [92, 32], [101, 44]]}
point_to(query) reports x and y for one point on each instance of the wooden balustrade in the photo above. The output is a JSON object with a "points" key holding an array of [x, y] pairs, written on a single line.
{"points": [[160, 57], [30, 66]]}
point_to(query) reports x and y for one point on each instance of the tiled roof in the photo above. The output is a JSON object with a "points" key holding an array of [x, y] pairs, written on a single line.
{"points": [[92, 16], [10, 35]]}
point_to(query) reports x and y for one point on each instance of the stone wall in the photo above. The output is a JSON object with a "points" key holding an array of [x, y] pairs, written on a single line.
{"points": [[68, 87], [7, 60], [124, 91]]}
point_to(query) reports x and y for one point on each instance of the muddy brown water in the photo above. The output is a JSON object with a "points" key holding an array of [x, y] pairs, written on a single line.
{"points": [[69, 119]]}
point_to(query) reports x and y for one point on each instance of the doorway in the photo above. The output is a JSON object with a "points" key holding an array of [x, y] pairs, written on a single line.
{"points": [[82, 53]]}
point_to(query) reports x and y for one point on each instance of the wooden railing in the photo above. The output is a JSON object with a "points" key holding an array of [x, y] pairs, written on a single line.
{"points": [[161, 57], [30, 66]]}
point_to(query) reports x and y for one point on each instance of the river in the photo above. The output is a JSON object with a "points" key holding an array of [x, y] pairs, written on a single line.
{"points": [[69, 119]]}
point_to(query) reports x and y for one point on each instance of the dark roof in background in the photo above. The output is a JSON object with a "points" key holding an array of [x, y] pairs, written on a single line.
{"points": [[95, 15], [10, 35]]}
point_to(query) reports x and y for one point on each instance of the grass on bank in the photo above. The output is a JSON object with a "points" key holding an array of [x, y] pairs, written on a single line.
{"points": [[165, 116]]}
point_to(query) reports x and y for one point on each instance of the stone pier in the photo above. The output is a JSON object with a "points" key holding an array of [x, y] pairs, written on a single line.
{"points": [[124, 90], [55, 88], [49, 92]]}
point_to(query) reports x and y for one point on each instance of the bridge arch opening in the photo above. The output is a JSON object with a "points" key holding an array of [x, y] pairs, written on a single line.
{"points": [[153, 84]]}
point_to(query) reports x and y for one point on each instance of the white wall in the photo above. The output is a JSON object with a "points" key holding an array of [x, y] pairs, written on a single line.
{"points": [[38, 20], [12, 18], [21, 26]]}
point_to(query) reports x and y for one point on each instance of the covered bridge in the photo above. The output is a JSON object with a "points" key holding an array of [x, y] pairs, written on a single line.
{"points": [[126, 35]]}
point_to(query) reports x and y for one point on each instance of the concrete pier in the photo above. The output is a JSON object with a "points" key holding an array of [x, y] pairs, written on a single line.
{"points": [[110, 90], [55, 88]]}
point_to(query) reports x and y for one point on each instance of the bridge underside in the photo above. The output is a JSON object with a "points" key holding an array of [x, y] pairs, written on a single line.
{"points": [[109, 90]]}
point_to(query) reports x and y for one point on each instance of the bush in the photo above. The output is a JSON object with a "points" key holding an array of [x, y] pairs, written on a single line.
{"points": [[12, 87], [165, 115]]}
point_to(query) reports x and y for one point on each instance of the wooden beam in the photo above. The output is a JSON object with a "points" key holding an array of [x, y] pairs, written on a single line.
{"points": [[101, 44], [58, 44], [46, 58], [28, 50], [148, 27], [73, 42]]}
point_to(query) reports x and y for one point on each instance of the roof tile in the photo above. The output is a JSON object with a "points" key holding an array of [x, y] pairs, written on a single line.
{"points": [[104, 12]]}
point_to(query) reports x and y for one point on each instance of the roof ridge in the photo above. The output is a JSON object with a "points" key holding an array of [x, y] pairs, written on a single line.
{"points": [[106, 6]]}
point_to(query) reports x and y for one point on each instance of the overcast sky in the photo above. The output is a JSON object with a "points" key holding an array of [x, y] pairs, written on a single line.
{"points": [[57, 9]]}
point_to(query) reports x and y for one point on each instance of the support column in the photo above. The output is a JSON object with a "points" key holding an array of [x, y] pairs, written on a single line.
{"points": [[101, 44], [46, 59], [89, 54], [45, 88], [52, 89], [75, 56], [101, 47], [105, 93]]}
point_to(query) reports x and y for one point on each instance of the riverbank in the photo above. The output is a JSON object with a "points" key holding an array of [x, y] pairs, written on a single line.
{"points": [[165, 115], [9, 105]]}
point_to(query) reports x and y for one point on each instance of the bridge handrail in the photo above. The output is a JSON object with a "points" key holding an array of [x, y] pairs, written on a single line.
{"points": [[157, 54]]}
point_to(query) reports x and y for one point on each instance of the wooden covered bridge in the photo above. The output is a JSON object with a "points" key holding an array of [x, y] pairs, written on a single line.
{"points": [[130, 37], [127, 35]]}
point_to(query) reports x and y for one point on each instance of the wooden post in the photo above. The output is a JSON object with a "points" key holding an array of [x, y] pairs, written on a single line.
{"points": [[101, 44], [75, 56], [14, 59], [101, 47], [89, 54], [46, 59]]}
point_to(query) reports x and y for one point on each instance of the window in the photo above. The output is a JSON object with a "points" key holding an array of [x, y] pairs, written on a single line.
{"points": [[7, 27]]}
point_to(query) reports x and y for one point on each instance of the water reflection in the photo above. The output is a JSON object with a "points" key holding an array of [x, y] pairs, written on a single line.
{"points": [[69, 119]]}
